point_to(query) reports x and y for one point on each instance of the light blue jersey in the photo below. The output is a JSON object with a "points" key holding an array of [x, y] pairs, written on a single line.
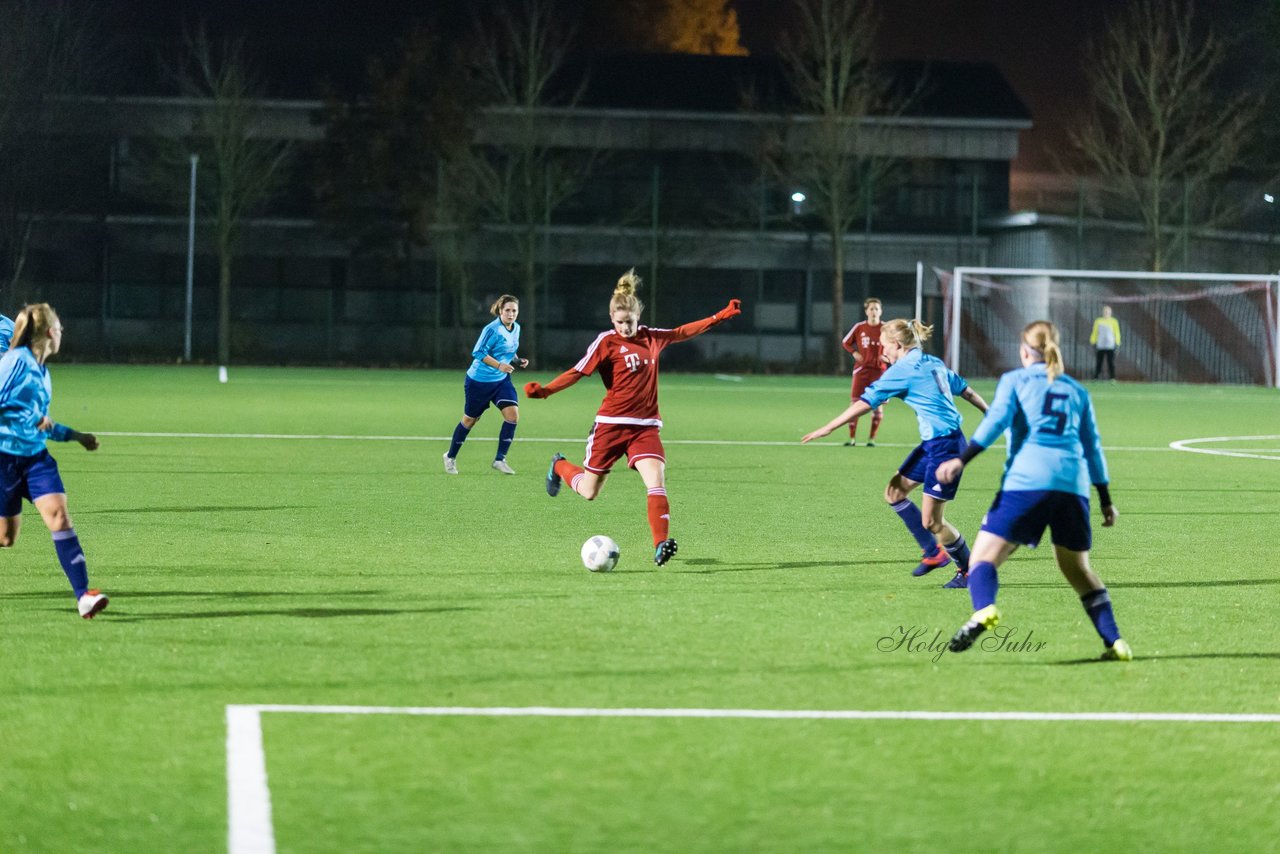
{"points": [[6, 333], [1053, 437], [497, 341], [25, 394], [925, 384]]}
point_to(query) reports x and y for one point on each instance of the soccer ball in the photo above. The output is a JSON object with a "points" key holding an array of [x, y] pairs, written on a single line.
{"points": [[600, 554]]}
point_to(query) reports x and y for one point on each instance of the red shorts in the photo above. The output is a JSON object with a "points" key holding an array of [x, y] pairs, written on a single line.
{"points": [[608, 442], [862, 379]]}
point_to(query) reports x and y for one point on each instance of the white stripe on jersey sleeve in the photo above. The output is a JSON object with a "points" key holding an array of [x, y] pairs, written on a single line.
{"points": [[582, 363]]}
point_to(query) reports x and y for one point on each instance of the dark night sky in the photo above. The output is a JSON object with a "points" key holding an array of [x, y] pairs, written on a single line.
{"points": [[1035, 43]]}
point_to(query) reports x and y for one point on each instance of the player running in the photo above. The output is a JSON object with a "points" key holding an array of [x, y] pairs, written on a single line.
{"points": [[489, 382], [27, 470], [863, 342], [627, 421], [928, 386], [1054, 454]]}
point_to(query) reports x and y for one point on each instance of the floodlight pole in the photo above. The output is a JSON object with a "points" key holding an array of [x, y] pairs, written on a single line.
{"points": [[191, 257]]}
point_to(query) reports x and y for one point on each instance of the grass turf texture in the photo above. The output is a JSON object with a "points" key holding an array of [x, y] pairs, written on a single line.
{"points": [[330, 571]]}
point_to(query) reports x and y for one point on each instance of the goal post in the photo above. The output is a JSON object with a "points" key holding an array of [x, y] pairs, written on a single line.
{"points": [[1174, 327]]}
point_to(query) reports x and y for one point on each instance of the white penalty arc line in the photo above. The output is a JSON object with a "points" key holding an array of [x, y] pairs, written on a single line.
{"points": [[339, 437], [1189, 445], [249, 824]]}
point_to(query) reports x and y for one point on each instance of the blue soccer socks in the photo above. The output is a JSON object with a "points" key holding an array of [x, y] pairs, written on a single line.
{"points": [[909, 513], [71, 556], [459, 436], [505, 435], [959, 551], [983, 584], [1097, 604]]}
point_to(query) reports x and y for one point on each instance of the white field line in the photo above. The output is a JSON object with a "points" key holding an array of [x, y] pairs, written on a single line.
{"points": [[250, 830], [338, 437], [1243, 453]]}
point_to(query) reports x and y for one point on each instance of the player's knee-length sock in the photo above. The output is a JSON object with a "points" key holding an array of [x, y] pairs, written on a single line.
{"points": [[71, 556], [910, 515], [853, 429], [459, 436], [959, 551], [983, 584], [1097, 604], [505, 435], [570, 473], [876, 418], [659, 514]]}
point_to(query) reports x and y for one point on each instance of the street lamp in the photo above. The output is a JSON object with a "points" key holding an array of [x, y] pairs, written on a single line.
{"points": [[797, 202]]}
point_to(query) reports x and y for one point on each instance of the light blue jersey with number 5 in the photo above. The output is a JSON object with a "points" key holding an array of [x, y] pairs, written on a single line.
{"points": [[925, 384], [1053, 437]]}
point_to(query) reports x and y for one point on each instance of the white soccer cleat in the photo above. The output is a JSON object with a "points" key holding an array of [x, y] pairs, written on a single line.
{"points": [[450, 464], [1118, 651], [501, 465], [91, 603]]}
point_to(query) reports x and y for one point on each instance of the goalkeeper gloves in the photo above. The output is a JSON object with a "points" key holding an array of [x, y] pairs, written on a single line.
{"points": [[534, 390]]}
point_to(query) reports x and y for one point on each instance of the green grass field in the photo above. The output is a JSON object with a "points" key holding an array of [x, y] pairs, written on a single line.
{"points": [[330, 570]]}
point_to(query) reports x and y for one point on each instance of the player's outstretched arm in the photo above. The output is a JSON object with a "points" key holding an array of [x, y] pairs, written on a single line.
{"points": [[976, 399], [697, 327], [857, 408], [560, 383]]}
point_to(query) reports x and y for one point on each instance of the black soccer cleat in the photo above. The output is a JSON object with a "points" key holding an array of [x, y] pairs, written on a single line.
{"points": [[664, 551], [986, 618], [554, 480]]}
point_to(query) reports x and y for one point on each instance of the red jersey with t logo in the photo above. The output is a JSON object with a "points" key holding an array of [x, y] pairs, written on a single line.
{"points": [[629, 369], [864, 339]]}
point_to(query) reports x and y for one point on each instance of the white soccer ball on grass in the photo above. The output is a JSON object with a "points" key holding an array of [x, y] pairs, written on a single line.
{"points": [[600, 554]]}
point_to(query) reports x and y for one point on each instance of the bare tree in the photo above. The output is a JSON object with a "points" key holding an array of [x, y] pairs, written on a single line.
{"points": [[46, 51], [828, 150], [241, 166], [521, 178], [394, 170], [1158, 130]]}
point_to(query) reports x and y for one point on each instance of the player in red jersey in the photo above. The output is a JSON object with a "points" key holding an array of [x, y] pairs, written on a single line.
{"points": [[627, 421], [863, 341]]}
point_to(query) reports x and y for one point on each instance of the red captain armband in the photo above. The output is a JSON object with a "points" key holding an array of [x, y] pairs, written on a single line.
{"points": [[733, 309], [534, 390]]}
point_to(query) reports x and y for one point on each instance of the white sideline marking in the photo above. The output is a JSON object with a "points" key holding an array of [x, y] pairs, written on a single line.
{"points": [[250, 830], [1243, 453], [558, 441]]}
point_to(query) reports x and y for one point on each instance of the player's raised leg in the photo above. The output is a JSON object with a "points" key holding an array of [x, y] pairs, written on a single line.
{"points": [[896, 494], [989, 552]]}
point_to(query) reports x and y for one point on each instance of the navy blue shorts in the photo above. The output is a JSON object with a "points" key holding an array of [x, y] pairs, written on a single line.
{"points": [[501, 393], [921, 465], [29, 478], [1020, 516]]}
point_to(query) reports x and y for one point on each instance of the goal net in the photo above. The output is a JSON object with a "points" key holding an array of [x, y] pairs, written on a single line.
{"points": [[1174, 327]]}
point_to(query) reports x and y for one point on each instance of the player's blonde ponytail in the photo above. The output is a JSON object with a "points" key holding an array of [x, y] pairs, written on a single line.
{"points": [[31, 328], [1042, 337], [624, 294], [907, 333]]}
